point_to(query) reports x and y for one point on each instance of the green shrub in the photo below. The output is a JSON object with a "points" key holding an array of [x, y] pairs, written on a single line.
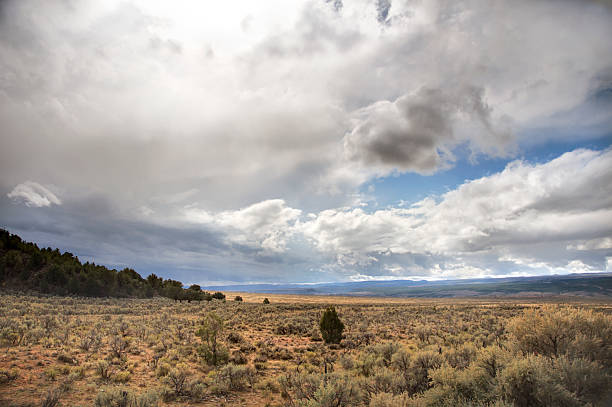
{"points": [[218, 296], [211, 350], [123, 376], [331, 327]]}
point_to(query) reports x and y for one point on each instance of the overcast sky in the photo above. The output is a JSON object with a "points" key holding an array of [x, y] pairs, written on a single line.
{"points": [[310, 141]]}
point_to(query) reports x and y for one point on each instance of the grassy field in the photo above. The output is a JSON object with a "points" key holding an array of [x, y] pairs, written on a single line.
{"points": [[394, 352]]}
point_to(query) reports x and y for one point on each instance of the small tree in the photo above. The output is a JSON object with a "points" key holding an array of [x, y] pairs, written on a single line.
{"points": [[331, 326], [210, 332], [218, 296], [177, 378]]}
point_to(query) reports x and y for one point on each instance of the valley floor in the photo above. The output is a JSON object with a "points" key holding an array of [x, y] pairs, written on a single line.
{"points": [[394, 352]]}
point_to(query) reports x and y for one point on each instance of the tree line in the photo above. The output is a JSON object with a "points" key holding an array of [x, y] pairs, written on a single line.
{"points": [[26, 267]]}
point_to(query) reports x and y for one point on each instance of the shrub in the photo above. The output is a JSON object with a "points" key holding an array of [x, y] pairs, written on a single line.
{"points": [[461, 356], [389, 400], [331, 327], [238, 358], [118, 345], [51, 373], [162, 369], [421, 364], [103, 369], [367, 363], [118, 397], [235, 377], [77, 373], [218, 296], [452, 386], [123, 376], [52, 398], [197, 390], [266, 301], [528, 382], [347, 362], [212, 350], [383, 380], [294, 326], [65, 358], [177, 378], [7, 376], [238, 298], [234, 337], [585, 379], [555, 331], [312, 390], [384, 351]]}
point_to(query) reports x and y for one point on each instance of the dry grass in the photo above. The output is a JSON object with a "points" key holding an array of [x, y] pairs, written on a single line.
{"points": [[45, 343]]}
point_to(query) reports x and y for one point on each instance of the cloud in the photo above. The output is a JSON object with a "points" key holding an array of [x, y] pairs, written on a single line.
{"points": [[541, 218], [149, 115], [534, 211], [33, 194], [84, 85], [417, 131], [263, 226], [382, 9], [593, 244]]}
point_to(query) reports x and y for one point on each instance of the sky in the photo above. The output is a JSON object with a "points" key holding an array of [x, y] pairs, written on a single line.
{"points": [[310, 141]]}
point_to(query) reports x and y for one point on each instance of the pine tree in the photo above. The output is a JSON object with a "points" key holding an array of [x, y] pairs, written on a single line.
{"points": [[331, 326]]}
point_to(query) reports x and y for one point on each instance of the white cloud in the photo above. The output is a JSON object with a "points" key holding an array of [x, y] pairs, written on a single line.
{"points": [[265, 225], [593, 244], [33, 194], [527, 210]]}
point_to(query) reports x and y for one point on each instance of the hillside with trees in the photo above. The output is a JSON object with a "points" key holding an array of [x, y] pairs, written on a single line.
{"points": [[26, 267]]}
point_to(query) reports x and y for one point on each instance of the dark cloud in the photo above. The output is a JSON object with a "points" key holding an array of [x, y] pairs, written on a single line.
{"points": [[382, 9], [336, 4], [97, 231], [416, 132]]}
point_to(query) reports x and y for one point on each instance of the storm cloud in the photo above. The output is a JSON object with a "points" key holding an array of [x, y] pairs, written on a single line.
{"points": [[417, 131], [233, 142]]}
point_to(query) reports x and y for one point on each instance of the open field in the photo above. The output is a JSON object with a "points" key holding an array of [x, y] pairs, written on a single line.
{"points": [[395, 352], [530, 301]]}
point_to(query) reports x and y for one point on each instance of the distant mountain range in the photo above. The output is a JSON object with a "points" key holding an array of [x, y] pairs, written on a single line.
{"points": [[588, 285], [26, 267]]}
